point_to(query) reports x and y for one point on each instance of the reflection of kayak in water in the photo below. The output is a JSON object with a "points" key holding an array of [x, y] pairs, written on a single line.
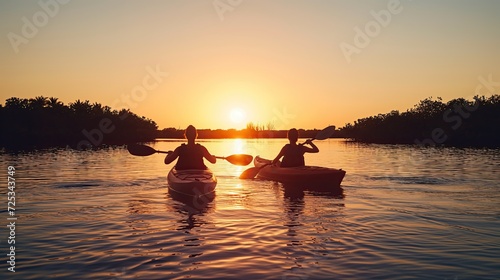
{"points": [[198, 204], [191, 182], [303, 175]]}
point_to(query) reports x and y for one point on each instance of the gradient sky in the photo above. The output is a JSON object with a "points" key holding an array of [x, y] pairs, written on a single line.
{"points": [[261, 61]]}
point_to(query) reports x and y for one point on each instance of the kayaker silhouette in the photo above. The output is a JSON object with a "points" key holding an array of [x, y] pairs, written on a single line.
{"points": [[191, 154], [293, 154]]}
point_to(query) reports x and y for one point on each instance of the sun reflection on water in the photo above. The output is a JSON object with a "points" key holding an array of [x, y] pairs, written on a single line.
{"points": [[238, 145]]}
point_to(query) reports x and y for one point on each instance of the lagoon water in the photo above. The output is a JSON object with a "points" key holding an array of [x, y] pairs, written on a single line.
{"points": [[403, 212]]}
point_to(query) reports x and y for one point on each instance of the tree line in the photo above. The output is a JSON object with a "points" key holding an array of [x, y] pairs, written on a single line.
{"points": [[458, 122], [250, 132], [46, 122]]}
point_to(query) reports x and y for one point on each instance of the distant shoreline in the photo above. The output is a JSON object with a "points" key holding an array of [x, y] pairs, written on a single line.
{"points": [[173, 133], [42, 122]]}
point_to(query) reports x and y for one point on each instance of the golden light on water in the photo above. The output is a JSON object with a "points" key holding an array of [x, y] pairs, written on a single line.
{"points": [[256, 228], [238, 146]]}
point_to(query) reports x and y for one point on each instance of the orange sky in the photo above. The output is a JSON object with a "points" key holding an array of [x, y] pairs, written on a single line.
{"points": [[221, 64]]}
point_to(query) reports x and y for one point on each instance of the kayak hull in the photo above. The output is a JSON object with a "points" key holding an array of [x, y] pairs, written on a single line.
{"points": [[303, 175], [192, 182]]}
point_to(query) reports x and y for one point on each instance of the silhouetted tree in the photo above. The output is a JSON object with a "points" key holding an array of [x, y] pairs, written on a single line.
{"points": [[459, 122], [43, 122]]}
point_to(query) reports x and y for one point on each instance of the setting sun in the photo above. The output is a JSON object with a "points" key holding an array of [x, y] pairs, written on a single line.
{"points": [[237, 116]]}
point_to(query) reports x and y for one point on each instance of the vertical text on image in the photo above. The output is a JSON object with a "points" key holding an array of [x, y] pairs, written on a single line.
{"points": [[11, 219]]}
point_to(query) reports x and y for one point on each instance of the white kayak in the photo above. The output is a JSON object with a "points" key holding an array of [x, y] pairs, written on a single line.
{"points": [[192, 182]]}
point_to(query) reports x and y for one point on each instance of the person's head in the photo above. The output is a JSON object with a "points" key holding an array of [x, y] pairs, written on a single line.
{"points": [[190, 133], [293, 135]]}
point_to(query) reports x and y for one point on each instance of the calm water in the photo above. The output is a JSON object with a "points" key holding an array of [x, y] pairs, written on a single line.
{"points": [[404, 212]]}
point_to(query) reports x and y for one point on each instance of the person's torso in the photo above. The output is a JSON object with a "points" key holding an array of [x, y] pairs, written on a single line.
{"points": [[293, 156], [190, 157]]}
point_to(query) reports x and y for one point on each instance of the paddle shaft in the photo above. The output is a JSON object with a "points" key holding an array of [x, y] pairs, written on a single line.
{"points": [[312, 139], [168, 152], [143, 150]]}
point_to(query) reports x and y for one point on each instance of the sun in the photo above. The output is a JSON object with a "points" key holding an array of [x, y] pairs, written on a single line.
{"points": [[237, 116]]}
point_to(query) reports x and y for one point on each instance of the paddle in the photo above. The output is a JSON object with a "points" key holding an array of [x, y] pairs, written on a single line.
{"points": [[143, 150], [251, 172]]}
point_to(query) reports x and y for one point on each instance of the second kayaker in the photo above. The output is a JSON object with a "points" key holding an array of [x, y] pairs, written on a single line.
{"points": [[191, 154], [292, 153]]}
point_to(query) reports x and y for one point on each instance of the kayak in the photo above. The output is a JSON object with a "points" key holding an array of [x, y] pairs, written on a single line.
{"points": [[192, 182], [302, 175]]}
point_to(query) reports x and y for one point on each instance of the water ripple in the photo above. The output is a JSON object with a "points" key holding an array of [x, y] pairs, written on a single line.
{"points": [[113, 218]]}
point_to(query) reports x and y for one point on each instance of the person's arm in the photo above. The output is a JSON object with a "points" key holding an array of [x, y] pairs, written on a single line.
{"points": [[278, 157], [208, 156], [172, 156], [313, 149]]}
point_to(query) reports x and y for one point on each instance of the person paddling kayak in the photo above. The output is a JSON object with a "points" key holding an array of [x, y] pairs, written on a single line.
{"points": [[191, 154], [293, 154]]}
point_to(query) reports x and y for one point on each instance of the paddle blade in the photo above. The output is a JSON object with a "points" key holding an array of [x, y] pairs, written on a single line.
{"points": [[325, 133], [239, 159], [140, 150], [250, 173]]}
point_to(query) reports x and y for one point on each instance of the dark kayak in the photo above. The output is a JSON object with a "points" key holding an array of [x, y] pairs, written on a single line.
{"points": [[304, 175]]}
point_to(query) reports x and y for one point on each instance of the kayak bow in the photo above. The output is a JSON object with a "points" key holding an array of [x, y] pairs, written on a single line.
{"points": [[192, 182]]}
